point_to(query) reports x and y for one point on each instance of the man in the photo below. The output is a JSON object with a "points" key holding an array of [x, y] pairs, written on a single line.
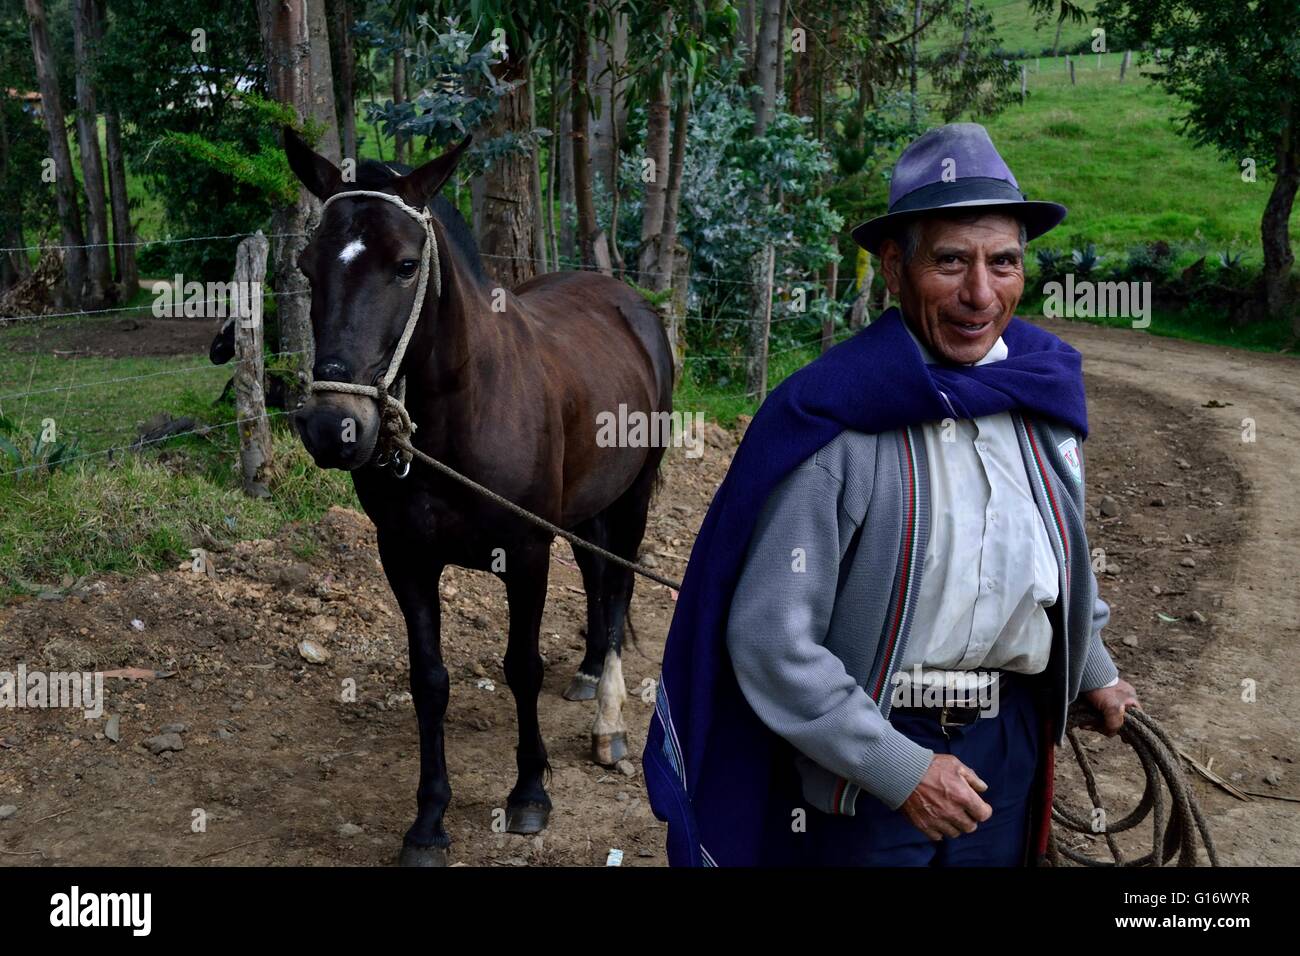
{"points": [[904, 514]]}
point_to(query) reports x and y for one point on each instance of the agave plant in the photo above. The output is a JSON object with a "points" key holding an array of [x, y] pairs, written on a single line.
{"points": [[1085, 260], [22, 456], [1229, 260]]}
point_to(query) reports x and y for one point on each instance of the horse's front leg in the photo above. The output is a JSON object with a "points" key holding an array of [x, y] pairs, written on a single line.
{"points": [[413, 577], [528, 806]]}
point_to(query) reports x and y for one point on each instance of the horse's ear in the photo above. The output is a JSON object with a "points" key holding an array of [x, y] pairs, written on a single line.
{"points": [[321, 177], [421, 185]]}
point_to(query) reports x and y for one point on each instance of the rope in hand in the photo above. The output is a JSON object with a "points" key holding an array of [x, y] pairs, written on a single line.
{"points": [[1174, 828]]}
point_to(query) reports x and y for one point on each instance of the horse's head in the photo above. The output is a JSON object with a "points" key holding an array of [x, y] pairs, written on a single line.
{"points": [[363, 263]]}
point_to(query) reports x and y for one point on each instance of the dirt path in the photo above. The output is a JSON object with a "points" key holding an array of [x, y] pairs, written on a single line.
{"points": [[1256, 631], [281, 769]]}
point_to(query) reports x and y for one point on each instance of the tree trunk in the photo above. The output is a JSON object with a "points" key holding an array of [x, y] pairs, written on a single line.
{"points": [[588, 229], [506, 216], [99, 276], [559, 148], [913, 60], [673, 199], [321, 84], [128, 274], [965, 36], [13, 265], [656, 190], [1275, 229], [539, 226], [564, 172], [65, 181], [749, 37], [1056, 41], [341, 21], [287, 38], [400, 142], [766, 62]]}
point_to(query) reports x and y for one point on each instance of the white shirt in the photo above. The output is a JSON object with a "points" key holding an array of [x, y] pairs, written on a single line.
{"points": [[990, 571]]}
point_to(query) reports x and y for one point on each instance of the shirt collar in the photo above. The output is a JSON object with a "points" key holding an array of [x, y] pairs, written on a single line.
{"points": [[996, 354]]}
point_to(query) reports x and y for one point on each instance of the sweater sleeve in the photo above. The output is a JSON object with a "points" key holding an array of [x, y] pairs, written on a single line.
{"points": [[776, 634], [1098, 670]]}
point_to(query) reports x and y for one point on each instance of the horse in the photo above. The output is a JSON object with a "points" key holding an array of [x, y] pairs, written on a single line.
{"points": [[506, 387]]}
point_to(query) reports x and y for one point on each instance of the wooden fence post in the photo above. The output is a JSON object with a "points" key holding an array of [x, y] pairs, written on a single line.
{"points": [[828, 321], [1024, 83], [761, 323], [1070, 63], [250, 402], [1123, 64], [677, 308]]}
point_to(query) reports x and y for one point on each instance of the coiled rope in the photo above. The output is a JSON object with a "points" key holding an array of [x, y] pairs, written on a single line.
{"points": [[1176, 815]]}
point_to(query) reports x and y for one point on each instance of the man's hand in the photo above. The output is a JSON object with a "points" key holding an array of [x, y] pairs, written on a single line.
{"points": [[1110, 703], [946, 803]]}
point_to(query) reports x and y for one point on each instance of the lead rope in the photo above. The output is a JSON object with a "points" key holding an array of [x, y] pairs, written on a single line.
{"points": [[1172, 836]]}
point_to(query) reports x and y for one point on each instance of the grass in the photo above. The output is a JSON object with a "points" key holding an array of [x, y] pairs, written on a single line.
{"points": [[146, 513]]}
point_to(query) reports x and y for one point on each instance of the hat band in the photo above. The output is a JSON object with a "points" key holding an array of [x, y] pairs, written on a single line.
{"points": [[961, 191]]}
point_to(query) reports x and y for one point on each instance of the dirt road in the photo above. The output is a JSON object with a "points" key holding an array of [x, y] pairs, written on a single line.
{"points": [[1199, 530], [1253, 429]]}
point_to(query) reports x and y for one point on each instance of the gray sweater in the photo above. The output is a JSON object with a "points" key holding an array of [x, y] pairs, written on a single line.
{"points": [[822, 613]]}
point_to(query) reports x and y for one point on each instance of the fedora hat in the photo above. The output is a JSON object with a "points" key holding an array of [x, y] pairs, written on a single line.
{"points": [[954, 167]]}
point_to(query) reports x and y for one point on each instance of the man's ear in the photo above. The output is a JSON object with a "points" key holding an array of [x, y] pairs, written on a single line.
{"points": [[891, 264], [321, 177], [420, 186]]}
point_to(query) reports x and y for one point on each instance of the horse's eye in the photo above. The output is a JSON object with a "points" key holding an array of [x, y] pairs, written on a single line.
{"points": [[406, 268]]}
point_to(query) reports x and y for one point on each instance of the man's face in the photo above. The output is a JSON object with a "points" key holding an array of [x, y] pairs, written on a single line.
{"points": [[962, 286]]}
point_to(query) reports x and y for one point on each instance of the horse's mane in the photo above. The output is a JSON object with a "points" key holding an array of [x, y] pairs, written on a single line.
{"points": [[372, 174]]}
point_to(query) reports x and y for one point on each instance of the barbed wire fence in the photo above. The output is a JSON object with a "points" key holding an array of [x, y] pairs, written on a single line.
{"points": [[99, 391]]}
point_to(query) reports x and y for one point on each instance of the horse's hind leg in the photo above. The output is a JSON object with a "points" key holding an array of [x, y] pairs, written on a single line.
{"points": [[414, 581], [583, 685], [626, 520], [528, 806]]}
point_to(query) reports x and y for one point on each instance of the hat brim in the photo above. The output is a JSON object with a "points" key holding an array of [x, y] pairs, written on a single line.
{"points": [[1038, 217]]}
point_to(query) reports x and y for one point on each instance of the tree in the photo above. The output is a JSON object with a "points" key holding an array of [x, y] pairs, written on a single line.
{"points": [[65, 181], [297, 54], [85, 31], [1236, 70]]}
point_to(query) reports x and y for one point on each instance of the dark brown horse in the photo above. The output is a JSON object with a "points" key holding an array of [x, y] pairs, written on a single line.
{"points": [[507, 396]]}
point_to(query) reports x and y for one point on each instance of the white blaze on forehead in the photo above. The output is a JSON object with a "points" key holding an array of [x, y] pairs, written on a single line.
{"points": [[351, 251]]}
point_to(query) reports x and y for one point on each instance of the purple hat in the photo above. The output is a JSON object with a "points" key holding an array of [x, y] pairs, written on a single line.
{"points": [[953, 167]]}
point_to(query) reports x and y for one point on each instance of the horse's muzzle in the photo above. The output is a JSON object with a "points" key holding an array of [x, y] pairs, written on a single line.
{"points": [[339, 431]]}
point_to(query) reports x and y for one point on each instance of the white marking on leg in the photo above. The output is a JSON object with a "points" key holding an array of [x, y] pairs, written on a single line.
{"points": [[351, 251], [610, 694]]}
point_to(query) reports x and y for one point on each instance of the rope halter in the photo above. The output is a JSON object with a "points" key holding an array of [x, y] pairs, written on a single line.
{"points": [[394, 421]]}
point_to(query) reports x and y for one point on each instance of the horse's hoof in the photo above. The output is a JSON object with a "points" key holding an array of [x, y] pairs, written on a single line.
{"points": [[608, 749], [422, 856], [582, 687], [527, 817]]}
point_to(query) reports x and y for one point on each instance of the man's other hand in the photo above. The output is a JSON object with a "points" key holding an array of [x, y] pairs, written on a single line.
{"points": [[1110, 703], [946, 803]]}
